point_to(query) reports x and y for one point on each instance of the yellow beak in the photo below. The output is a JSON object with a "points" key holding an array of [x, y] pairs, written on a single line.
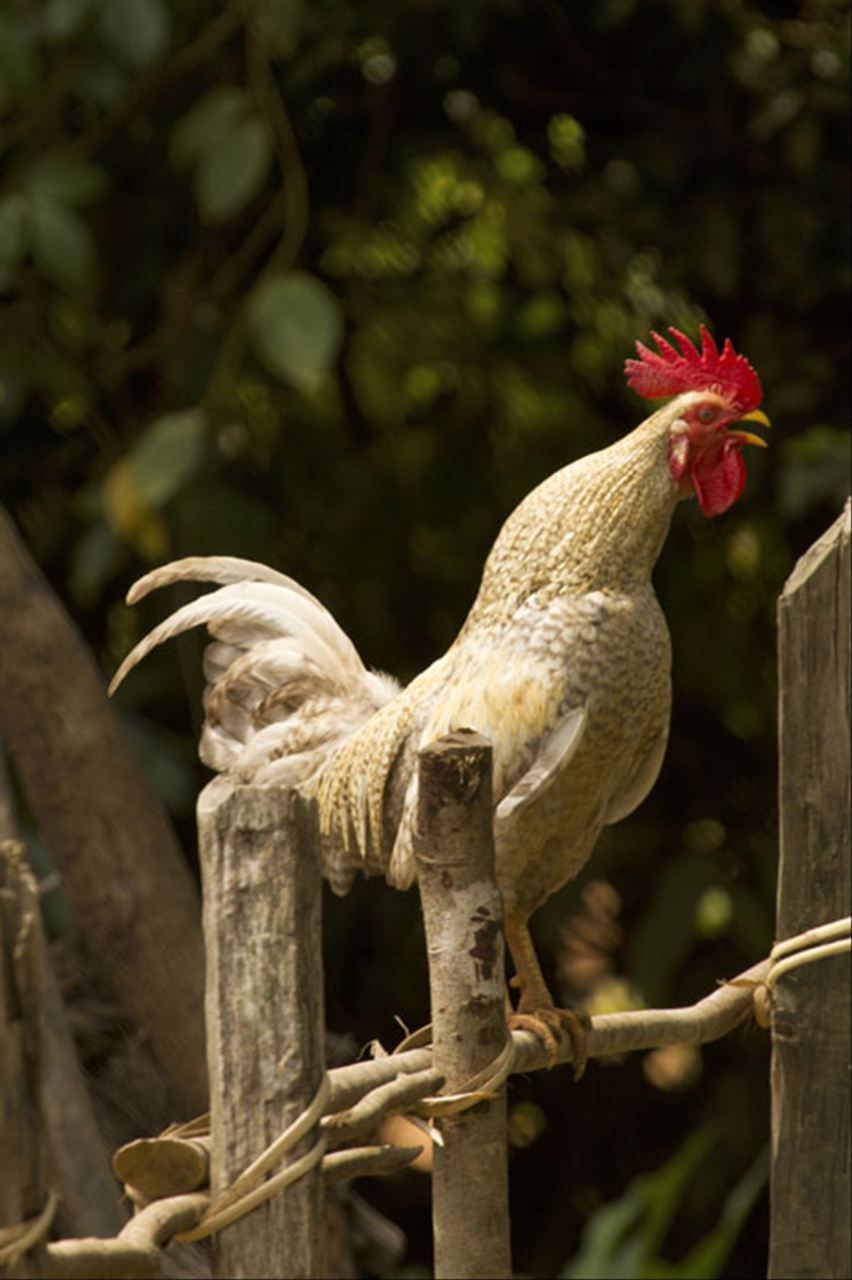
{"points": [[747, 437]]}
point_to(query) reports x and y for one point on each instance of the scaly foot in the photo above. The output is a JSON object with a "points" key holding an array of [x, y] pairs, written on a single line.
{"points": [[536, 1011], [546, 1022]]}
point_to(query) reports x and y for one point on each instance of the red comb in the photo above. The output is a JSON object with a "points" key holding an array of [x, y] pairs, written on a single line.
{"points": [[672, 372]]}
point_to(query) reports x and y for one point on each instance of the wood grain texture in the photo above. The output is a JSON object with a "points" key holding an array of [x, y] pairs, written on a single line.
{"points": [[454, 848], [264, 1006], [810, 1228]]}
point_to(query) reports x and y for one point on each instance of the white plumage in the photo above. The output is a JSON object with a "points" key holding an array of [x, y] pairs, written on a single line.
{"points": [[284, 683]]}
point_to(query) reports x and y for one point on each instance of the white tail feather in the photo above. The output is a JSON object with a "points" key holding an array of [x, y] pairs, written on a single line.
{"points": [[220, 569], [285, 684]]}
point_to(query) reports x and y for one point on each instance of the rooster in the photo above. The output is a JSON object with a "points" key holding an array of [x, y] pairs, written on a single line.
{"points": [[563, 663]]}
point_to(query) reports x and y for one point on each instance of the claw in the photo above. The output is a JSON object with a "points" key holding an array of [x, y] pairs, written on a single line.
{"points": [[547, 1023], [536, 1010]]}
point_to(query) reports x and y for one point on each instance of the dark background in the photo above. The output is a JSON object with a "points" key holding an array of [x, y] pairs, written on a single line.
{"points": [[332, 286]]}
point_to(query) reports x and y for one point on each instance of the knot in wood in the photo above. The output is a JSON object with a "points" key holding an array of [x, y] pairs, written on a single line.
{"points": [[486, 949]]}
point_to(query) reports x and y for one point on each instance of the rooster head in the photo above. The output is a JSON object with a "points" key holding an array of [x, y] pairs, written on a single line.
{"points": [[704, 452]]}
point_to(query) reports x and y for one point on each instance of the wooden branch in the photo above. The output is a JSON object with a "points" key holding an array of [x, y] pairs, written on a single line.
{"points": [[264, 1007], [132, 893], [174, 1164], [611, 1033], [364, 1093], [454, 848], [363, 1162], [135, 1253], [384, 1100], [811, 1186], [398, 1079]]}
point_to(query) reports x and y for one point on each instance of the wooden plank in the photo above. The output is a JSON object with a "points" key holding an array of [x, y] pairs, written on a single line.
{"points": [[464, 918], [810, 1213], [264, 1006]]}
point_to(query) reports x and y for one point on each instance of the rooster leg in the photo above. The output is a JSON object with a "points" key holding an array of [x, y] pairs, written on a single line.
{"points": [[536, 1011]]}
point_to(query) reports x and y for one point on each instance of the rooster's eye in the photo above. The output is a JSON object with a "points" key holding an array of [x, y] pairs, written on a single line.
{"points": [[706, 413]]}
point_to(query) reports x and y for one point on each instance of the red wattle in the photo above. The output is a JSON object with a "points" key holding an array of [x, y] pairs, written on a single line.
{"points": [[718, 476]]}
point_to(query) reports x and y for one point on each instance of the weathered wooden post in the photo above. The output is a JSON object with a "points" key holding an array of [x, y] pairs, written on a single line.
{"points": [[810, 1227], [463, 914], [264, 1006]]}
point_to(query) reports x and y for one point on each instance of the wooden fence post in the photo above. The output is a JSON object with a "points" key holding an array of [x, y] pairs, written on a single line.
{"points": [[264, 1006], [810, 1213], [463, 913]]}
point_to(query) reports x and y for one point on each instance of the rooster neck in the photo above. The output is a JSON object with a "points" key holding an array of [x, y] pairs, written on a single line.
{"points": [[597, 524]]}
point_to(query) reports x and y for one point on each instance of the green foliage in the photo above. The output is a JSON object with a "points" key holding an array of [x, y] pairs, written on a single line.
{"points": [[817, 465], [40, 219], [333, 286], [624, 1240], [296, 327], [226, 144], [137, 30], [164, 458]]}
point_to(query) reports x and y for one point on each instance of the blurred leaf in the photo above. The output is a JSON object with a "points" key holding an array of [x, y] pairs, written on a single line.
{"points": [[138, 30], [666, 931], [199, 129], [545, 314], [296, 327], [66, 179], [709, 1256], [714, 912], [232, 172], [606, 1248], [19, 61], [567, 139], [816, 470], [170, 451], [281, 25], [95, 560], [64, 18], [228, 145], [623, 1239], [62, 244], [519, 164], [526, 1122], [13, 236], [663, 1191], [130, 516]]}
